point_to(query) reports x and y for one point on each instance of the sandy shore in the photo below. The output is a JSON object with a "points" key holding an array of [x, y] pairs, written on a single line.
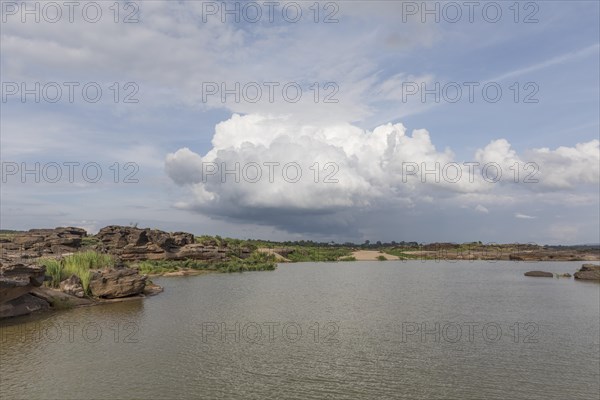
{"points": [[371, 255], [278, 257], [185, 272]]}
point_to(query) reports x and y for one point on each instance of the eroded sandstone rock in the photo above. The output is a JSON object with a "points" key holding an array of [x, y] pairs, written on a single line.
{"points": [[41, 242], [22, 305], [136, 244], [18, 279], [588, 272], [114, 283], [73, 286]]}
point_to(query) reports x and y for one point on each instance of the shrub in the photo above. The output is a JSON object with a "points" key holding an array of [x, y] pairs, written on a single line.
{"points": [[90, 241], [381, 258]]}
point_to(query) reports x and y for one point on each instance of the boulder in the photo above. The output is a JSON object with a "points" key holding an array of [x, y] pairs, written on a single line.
{"points": [[182, 238], [31, 273], [73, 286], [18, 279], [114, 283], [22, 305], [56, 297], [152, 289], [588, 272], [541, 274]]}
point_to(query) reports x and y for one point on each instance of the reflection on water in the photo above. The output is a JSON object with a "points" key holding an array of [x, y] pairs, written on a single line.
{"points": [[415, 330]]}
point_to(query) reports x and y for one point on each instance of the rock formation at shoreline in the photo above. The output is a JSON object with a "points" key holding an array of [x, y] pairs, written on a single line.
{"points": [[23, 305], [127, 243], [117, 283], [21, 290], [37, 243], [511, 252], [16, 282], [18, 279], [588, 272], [135, 244], [21, 278]]}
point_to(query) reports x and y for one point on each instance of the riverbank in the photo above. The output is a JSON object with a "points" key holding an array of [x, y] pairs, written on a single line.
{"points": [[372, 255], [45, 269], [117, 262]]}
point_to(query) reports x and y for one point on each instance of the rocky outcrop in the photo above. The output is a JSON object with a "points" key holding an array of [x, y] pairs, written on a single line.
{"points": [[541, 274], [135, 244], [126, 242], [41, 242], [116, 283], [16, 281], [58, 299], [588, 272], [22, 305], [73, 286]]}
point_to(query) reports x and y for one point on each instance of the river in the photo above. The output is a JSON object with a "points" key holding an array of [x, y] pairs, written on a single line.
{"points": [[347, 330]]}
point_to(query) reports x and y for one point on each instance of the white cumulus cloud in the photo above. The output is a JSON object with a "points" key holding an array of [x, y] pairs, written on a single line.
{"points": [[268, 168]]}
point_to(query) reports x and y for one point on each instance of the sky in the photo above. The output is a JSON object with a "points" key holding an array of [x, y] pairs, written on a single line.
{"points": [[343, 121]]}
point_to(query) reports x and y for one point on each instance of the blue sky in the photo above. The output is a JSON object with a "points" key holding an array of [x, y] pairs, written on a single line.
{"points": [[374, 53]]}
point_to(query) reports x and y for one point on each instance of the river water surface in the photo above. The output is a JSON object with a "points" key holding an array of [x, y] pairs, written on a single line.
{"points": [[356, 330]]}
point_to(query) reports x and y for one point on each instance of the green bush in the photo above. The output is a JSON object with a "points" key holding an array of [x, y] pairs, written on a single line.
{"points": [[255, 262], [381, 258], [303, 254], [89, 241]]}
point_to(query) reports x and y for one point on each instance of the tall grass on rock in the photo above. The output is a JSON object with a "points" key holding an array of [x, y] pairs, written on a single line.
{"points": [[54, 269], [78, 264]]}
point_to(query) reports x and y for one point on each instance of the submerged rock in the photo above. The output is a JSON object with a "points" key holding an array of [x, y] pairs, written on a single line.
{"points": [[540, 274], [588, 272], [152, 289], [115, 283]]}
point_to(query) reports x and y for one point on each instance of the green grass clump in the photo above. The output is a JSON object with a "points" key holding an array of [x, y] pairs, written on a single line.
{"points": [[90, 241], [381, 258], [349, 258], [78, 264], [91, 260], [54, 269]]}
